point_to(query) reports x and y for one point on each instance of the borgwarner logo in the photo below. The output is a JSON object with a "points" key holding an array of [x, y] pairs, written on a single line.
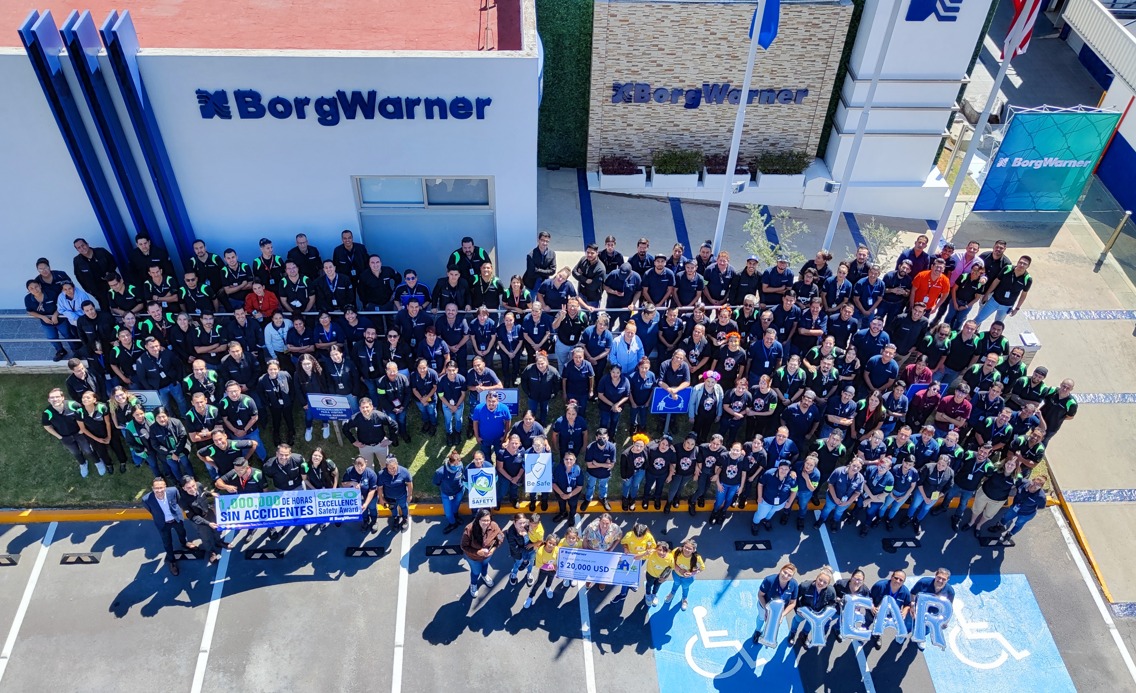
{"points": [[1047, 162], [942, 10], [344, 105]]}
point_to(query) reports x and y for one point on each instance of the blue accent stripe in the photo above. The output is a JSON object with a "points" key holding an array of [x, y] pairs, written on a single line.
{"points": [[680, 224], [83, 46], [1106, 397], [854, 227], [44, 45], [587, 221], [770, 229], [121, 41], [1101, 495], [1124, 609], [1081, 314]]}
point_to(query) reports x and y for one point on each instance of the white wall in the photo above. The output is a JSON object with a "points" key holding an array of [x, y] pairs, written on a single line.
{"points": [[1116, 99], [43, 205]]}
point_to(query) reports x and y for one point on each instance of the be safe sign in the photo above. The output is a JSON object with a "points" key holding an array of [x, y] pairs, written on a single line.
{"points": [[343, 105], [711, 93]]}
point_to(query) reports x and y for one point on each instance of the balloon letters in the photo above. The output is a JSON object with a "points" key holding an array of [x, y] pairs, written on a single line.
{"points": [[817, 620], [931, 617], [889, 616], [773, 611], [853, 616]]}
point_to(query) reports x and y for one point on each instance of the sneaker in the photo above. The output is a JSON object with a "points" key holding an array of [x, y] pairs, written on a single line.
{"points": [[569, 583], [308, 434], [684, 604], [529, 579], [549, 593], [916, 526], [669, 598], [528, 602], [326, 431], [473, 590], [513, 579], [889, 524], [767, 525], [955, 522], [487, 580], [905, 521], [753, 529], [800, 524], [784, 517]]}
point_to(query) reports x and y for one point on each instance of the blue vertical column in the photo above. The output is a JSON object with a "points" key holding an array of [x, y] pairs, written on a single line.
{"points": [[81, 37], [44, 47], [121, 41]]}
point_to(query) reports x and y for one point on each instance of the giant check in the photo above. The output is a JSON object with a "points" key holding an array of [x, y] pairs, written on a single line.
{"points": [[284, 508], [605, 567]]}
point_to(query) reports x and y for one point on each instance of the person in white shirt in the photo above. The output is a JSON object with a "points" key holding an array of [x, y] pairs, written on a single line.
{"points": [[70, 301]]}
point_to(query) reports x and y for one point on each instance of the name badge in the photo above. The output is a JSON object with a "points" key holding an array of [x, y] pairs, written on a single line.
{"points": [[280, 401], [869, 301], [1007, 294], [767, 364], [240, 423], [777, 500], [334, 302], [844, 499], [352, 271], [161, 374], [371, 368], [970, 477], [396, 402], [934, 496]]}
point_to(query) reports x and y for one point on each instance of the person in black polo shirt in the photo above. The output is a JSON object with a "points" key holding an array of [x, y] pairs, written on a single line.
{"points": [[286, 472], [334, 291], [540, 383], [452, 288], [306, 257], [278, 393], [350, 258], [61, 420], [222, 455], [372, 431], [376, 285], [1007, 291], [145, 254], [92, 265], [590, 274], [296, 290], [242, 478]]}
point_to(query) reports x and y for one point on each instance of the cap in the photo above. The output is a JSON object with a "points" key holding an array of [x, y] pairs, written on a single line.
{"points": [[660, 256], [782, 258], [850, 388], [784, 463], [1041, 370], [626, 267], [240, 462], [752, 258]]}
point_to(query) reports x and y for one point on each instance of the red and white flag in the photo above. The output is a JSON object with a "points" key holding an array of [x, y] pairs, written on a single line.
{"points": [[1025, 14]]}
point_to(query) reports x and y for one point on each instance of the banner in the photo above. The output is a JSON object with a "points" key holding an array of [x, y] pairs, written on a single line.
{"points": [[148, 399], [510, 397], [538, 472], [482, 485], [1045, 159], [332, 407], [662, 402], [605, 567], [286, 508]]}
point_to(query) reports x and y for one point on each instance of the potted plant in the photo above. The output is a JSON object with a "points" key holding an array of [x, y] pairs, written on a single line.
{"points": [[619, 172], [714, 172], [676, 168], [781, 170]]}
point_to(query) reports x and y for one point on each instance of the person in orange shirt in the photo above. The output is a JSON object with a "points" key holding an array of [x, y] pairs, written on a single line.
{"points": [[930, 286], [261, 303]]}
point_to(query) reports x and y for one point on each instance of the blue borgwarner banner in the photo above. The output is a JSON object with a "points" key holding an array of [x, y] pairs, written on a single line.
{"points": [[1045, 159], [286, 508], [604, 567]]}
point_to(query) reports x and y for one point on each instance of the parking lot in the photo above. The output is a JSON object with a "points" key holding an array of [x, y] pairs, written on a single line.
{"points": [[404, 620]]}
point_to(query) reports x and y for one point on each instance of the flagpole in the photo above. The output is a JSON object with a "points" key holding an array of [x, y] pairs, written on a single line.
{"points": [[861, 126], [739, 122], [1009, 48]]}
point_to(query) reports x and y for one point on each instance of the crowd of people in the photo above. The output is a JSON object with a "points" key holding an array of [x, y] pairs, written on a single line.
{"points": [[841, 385]]}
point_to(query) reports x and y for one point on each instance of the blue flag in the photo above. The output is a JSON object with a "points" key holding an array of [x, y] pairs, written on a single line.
{"points": [[770, 21]]}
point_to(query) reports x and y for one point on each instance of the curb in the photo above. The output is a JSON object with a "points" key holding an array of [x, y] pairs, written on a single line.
{"points": [[416, 509], [1079, 535]]}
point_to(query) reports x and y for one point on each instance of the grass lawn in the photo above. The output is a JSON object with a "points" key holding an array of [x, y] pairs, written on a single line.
{"points": [[36, 472]]}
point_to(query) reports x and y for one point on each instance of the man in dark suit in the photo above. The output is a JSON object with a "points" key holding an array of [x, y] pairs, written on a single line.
{"points": [[164, 507]]}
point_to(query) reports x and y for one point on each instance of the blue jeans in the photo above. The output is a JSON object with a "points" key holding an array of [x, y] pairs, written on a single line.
{"points": [[948, 376], [525, 561], [450, 507], [654, 487], [539, 409], [507, 489], [453, 419], [1015, 521], [429, 413], [180, 467], [992, 307], [798, 620], [152, 460], [309, 417], [398, 507], [609, 420], [681, 582], [400, 419], [954, 317], [591, 487], [371, 512], [477, 569], [964, 497], [831, 509], [581, 402], [892, 505], [639, 418], [919, 507], [803, 498], [55, 333], [875, 511], [631, 484], [725, 496], [887, 427], [676, 485], [766, 510], [254, 434], [173, 391]]}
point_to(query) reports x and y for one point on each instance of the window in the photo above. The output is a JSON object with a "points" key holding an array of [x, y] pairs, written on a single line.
{"points": [[423, 193]]}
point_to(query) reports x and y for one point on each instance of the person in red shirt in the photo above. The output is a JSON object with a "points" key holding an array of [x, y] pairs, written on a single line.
{"points": [[930, 286], [953, 412], [261, 303], [923, 404]]}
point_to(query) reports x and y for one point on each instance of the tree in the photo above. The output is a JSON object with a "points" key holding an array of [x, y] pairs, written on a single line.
{"points": [[784, 228], [881, 240]]}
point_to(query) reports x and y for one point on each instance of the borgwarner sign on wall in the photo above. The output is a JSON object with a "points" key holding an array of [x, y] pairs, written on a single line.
{"points": [[343, 105], [711, 93]]}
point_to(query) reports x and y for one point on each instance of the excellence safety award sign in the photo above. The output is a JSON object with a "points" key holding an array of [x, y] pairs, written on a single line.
{"points": [[286, 508]]}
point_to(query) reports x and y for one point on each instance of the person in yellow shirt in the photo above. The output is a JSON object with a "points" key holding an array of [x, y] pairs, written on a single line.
{"points": [[659, 565], [546, 555], [638, 542], [687, 564], [573, 541]]}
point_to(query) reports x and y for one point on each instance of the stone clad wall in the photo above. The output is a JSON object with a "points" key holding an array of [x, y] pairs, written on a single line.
{"points": [[686, 52]]}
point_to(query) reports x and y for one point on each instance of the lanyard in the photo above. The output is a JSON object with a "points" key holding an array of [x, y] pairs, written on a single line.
{"points": [[333, 287]]}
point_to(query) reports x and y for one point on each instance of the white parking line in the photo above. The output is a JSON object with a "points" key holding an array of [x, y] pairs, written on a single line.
{"points": [[865, 672], [586, 639], [400, 615], [10, 643], [1075, 551], [211, 621]]}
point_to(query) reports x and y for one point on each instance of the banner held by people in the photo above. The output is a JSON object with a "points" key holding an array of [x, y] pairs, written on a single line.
{"points": [[482, 485], [286, 508], [604, 567], [538, 472]]}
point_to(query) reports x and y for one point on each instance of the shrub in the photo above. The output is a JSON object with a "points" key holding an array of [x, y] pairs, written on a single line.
{"points": [[677, 161], [783, 163], [618, 166], [716, 163]]}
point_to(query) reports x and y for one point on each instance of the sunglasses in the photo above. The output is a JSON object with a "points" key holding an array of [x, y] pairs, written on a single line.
{"points": [[392, 334]]}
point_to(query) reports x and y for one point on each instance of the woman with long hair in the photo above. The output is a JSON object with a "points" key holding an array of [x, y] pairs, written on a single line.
{"points": [[310, 381], [480, 539], [687, 564]]}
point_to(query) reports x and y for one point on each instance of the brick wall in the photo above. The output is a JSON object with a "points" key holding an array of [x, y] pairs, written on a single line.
{"points": [[683, 45]]}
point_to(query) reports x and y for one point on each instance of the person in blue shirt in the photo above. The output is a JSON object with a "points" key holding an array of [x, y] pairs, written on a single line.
{"points": [[719, 279], [450, 480], [785, 318], [839, 413], [613, 393], [597, 342], [878, 485], [689, 285], [775, 281], [779, 447], [641, 383], [490, 422], [897, 289], [482, 336], [896, 404], [881, 371], [845, 485], [658, 283], [622, 288], [765, 355], [801, 418], [871, 340], [904, 479], [578, 380], [776, 490], [599, 459], [836, 291], [867, 293], [570, 431], [396, 491], [808, 478], [566, 487], [926, 446], [362, 477], [783, 587], [452, 393], [891, 587], [1027, 501], [434, 350], [511, 469], [424, 387], [627, 348], [934, 480], [646, 321], [509, 347]]}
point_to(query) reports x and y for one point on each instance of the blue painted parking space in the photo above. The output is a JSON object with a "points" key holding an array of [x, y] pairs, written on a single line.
{"points": [[708, 647], [998, 635]]}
